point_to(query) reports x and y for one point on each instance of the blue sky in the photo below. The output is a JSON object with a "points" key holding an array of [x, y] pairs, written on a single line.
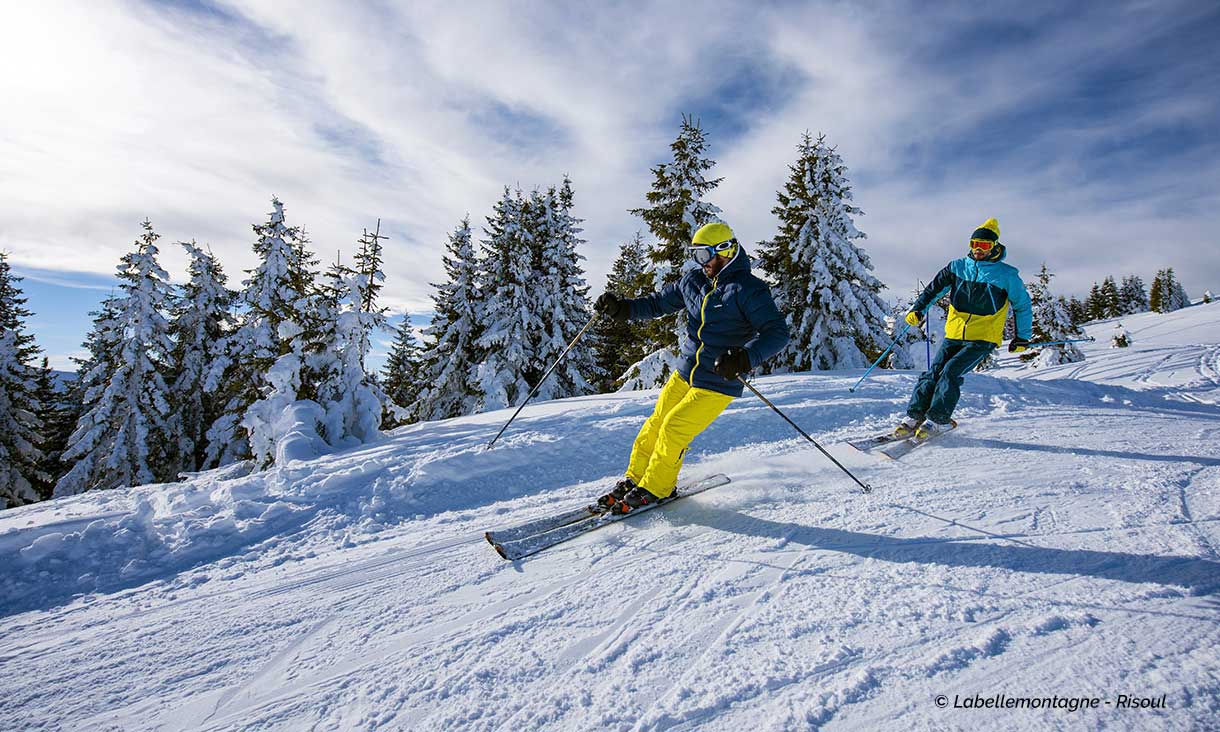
{"points": [[1089, 129]]}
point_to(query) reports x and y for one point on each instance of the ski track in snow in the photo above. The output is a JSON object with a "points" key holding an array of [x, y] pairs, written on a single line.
{"points": [[1064, 540]]}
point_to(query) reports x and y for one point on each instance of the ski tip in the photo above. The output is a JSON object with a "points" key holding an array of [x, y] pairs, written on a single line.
{"points": [[487, 536], [500, 550]]}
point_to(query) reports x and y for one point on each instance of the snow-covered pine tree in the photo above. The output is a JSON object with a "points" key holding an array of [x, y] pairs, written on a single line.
{"points": [[1111, 301], [1167, 294], [561, 294], [1120, 338], [1095, 304], [619, 344], [677, 207], [512, 323], [1051, 322], [449, 386], [201, 320], [21, 456], [1132, 298], [401, 376], [1178, 298], [127, 436], [1208, 297], [93, 374], [350, 398], [824, 283], [58, 421], [1077, 310], [273, 325]]}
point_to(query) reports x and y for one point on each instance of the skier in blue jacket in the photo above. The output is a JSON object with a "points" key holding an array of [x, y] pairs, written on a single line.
{"points": [[981, 288], [732, 325]]}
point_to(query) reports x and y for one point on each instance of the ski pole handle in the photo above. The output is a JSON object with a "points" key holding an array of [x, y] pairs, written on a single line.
{"points": [[887, 350], [539, 384]]}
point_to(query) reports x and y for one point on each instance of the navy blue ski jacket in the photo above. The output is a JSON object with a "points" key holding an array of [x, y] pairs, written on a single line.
{"points": [[733, 309]]}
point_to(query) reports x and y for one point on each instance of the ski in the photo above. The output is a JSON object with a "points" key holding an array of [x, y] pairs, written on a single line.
{"points": [[899, 449], [524, 546], [871, 443], [541, 525]]}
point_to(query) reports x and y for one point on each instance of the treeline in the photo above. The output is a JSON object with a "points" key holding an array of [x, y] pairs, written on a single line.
{"points": [[1112, 300]]}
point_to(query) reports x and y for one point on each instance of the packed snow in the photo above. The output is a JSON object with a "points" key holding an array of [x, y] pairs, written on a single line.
{"points": [[1062, 542]]}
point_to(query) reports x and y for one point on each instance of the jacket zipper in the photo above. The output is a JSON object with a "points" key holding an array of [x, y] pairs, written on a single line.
{"points": [[702, 322]]}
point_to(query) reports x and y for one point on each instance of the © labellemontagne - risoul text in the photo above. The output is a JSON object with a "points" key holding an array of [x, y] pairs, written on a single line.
{"points": [[1067, 703]]}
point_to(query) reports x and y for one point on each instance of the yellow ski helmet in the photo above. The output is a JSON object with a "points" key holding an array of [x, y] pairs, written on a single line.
{"points": [[714, 239]]}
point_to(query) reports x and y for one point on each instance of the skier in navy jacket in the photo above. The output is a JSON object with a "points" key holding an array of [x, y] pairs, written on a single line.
{"points": [[732, 325]]}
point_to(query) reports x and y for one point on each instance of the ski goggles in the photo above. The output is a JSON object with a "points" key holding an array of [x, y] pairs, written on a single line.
{"points": [[704, 254], [982, 244]]}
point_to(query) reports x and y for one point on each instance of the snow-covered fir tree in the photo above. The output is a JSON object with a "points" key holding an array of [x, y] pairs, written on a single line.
{"points": [[1167, 294], [1111, 300], [1208, 296], [449, 385], [21, 456], [201, 320], [824, 283], [619, 344], [677, 207], [127, 436], [1051, 322], [401, 378], [512, 323], [263, 356], [560, 292], [1132, 298], [1095, 304], [1120, 338], [1078, 311], [350, 398], [58, 420], [93, 373]]}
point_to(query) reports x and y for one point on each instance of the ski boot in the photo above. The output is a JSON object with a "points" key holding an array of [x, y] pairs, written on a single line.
{"points": [[931, 429], [634, 499], [906, 428], [621, 488]]}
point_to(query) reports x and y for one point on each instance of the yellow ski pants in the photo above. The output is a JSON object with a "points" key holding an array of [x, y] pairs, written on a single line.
{"points": [[682, 412]]}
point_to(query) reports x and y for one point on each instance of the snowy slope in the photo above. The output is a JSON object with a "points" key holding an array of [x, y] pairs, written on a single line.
{"points": [[1064, 541]]}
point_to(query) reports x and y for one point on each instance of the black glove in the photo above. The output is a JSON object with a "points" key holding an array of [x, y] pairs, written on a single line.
{"points": [[1016, 345], [734, 361], [612, 306]]}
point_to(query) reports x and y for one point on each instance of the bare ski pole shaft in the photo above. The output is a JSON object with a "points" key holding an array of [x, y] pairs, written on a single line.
{"points": [[863, 486], [539, 385], [887, 350]]}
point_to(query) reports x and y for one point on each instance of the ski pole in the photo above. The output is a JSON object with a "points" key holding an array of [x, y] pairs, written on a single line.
{"points": [[1058, 343], [539, 385], [863, 486], [887, 350]]}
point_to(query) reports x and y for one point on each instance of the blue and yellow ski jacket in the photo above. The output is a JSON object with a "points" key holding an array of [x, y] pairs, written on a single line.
{"points": [[979, 296], [733, 309]]}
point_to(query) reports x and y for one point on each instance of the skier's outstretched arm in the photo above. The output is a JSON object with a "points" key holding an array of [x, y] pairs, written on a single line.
{"points": [[935, 290], [668, 300]]}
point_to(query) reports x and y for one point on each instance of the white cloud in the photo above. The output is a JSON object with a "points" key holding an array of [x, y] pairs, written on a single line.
{"points": [[419, 113]]}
